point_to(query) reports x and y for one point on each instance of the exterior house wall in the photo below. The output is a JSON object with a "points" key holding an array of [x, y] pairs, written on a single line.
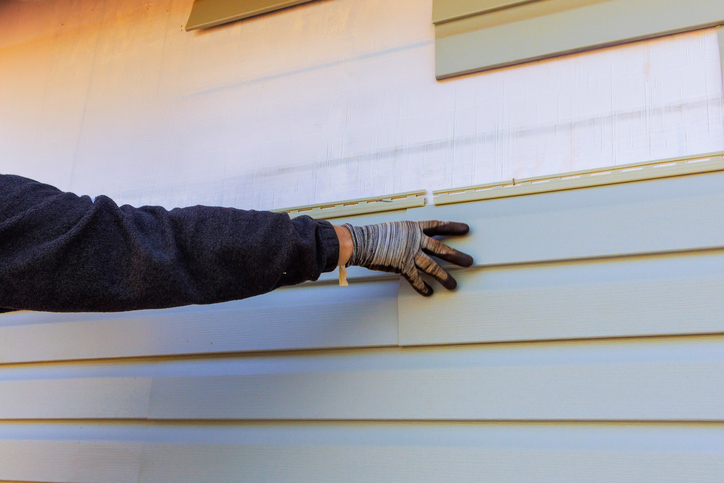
{"points": [[585, 345]]}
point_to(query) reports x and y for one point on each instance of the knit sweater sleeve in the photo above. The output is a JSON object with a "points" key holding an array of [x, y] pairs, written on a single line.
{"points": [[65, 253]]}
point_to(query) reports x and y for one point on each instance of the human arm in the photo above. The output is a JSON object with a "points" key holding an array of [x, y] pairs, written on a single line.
{"points": [[66, 253], [61, 252]]}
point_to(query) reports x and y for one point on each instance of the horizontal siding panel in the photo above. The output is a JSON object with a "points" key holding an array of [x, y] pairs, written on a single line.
{"points": [[673, 214], [447, 10], [646, 380], [305, 317], [637, 296], [638, 379], [395, 452], [91, 398], [70, 461], [82, 398], [540, 30]]}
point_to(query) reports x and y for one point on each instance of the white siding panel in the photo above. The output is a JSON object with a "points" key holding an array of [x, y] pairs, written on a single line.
{"points": [[395, 452], [673, 214], [636, 296], [310, 316]]}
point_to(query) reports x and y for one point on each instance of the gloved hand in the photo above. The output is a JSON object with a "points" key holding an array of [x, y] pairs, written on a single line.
{"points": [[404, 247]]}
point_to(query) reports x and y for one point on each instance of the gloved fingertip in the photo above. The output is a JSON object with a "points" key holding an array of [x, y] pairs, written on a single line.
{"points": [[450, 283], [426, 291], [467, 261]]}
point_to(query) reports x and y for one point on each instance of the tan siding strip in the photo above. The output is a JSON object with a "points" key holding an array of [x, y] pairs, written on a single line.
{"points": [[209, 13], [361, 206], [465, 48], [628, 173]]}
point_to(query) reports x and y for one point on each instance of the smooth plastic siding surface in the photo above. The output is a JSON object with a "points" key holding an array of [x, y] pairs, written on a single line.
{"points": [[683, 380], [93, 398], [394, 452], [309, 316], [670, 379], [674, 214], [658, 295], [554, 28]]}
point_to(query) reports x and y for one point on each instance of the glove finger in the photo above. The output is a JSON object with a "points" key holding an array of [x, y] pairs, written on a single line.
{"points": [[429, 266], [413, 276], [436, 227], [440, 250]]}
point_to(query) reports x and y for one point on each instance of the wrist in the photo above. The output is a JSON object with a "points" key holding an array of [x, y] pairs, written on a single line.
{"points": [[346, 245]]}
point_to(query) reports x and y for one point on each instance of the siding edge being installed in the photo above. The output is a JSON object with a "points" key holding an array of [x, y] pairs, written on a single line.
{"points": [[625, 173]]}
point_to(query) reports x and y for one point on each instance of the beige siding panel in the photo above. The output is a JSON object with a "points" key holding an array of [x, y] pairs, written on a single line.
{"points": [[310, 316], [673, 214], [540, 30], [638, 296], [91, 398], [677, 379], [639, 381], [433, 463], [70, 461], [684, 380], [350, 452]]}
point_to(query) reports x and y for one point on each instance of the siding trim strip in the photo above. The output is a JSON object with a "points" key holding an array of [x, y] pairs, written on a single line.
{"points": [[626, 173], [360, 206], [210, 13]]}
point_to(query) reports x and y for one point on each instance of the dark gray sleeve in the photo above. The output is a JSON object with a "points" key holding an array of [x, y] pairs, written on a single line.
{"points": [[63, 253]]}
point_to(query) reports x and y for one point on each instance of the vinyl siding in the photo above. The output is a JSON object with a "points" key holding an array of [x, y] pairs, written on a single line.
{"points": [[585, 345], [523, 31]]}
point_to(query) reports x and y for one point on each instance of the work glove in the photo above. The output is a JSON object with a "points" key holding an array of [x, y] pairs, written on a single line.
{"points": [[405, 247]]}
